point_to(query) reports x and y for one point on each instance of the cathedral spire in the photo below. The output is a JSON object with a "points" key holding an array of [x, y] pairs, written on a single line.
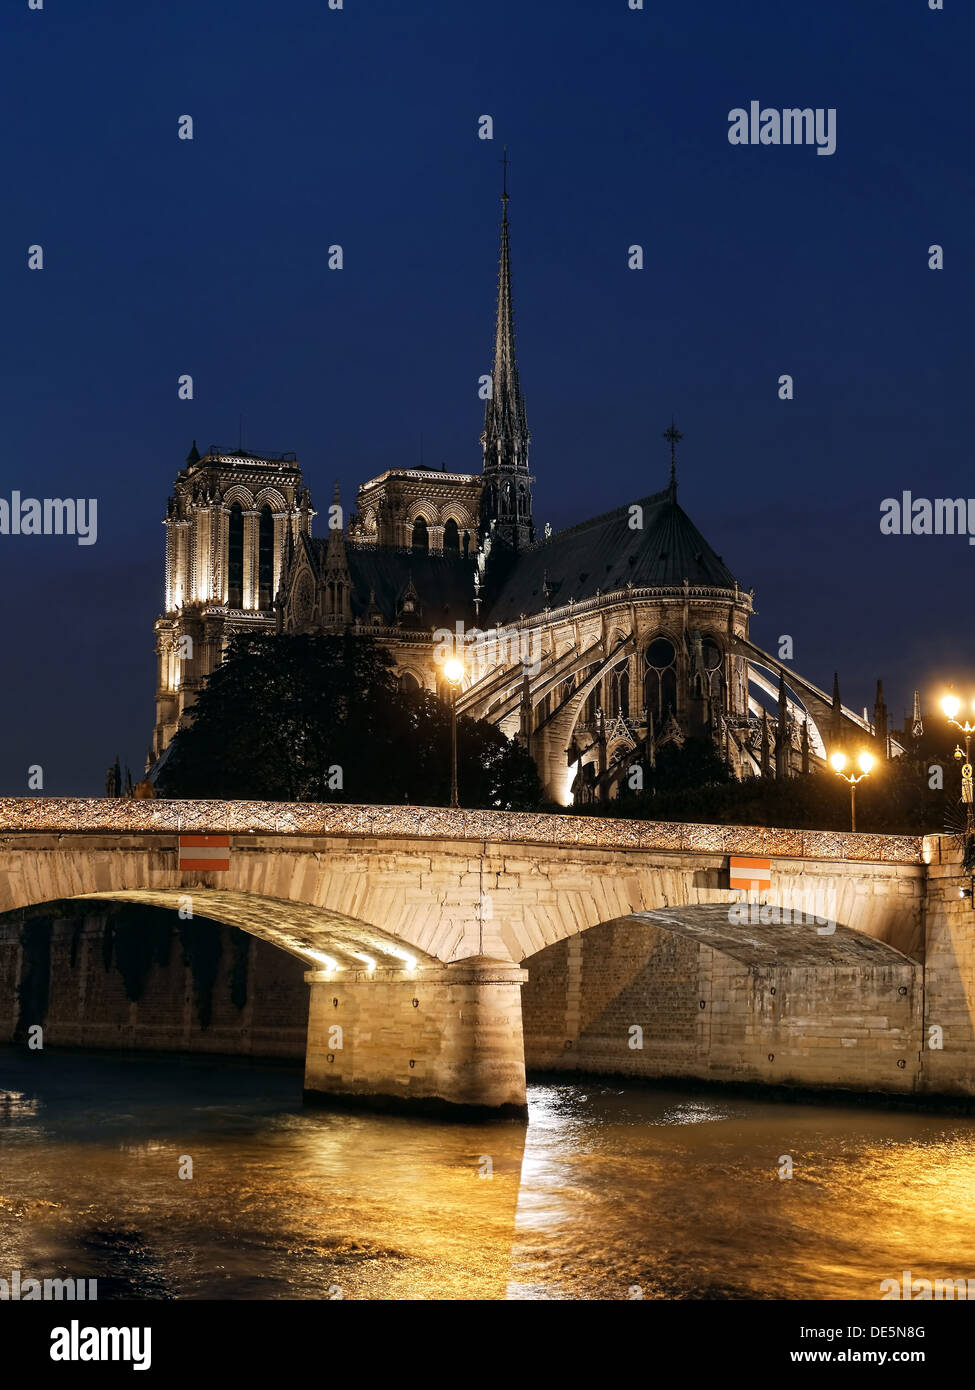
{"points": [[336, 582], [506, 508], [673, 436]]}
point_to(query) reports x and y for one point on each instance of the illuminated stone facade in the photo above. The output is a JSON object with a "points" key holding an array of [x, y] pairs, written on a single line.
{"points": [[596, 646], [230, 526]]}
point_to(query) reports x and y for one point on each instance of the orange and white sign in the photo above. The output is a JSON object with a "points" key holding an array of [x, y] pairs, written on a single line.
{"points": [[750, 873], [204, 852]]}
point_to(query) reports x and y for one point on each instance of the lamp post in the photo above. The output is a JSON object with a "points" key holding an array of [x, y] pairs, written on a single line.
{"points": [[453, 674], [838, 764], [951, 705]]}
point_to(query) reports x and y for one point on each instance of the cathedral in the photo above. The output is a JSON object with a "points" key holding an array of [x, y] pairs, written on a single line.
{"points": [[595, 646]]}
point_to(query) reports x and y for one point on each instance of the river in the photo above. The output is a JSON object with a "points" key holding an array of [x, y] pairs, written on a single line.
{"points": [[611, 1192]]}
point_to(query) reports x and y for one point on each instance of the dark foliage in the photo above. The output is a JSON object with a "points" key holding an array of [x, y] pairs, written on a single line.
{"points": [[693, 785], [321, 718]]}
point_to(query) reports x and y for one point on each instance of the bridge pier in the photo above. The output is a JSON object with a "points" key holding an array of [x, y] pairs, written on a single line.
{"points": [[444, 1040]]}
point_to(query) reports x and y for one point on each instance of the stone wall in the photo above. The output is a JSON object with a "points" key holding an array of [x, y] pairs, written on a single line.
{"points": [[342, 882], [444, 1039], [949, 1032], [632, 998], [132, 978]]}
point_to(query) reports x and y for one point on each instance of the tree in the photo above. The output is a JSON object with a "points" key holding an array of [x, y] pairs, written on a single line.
{"points": [[322, 718], [694, 784]]}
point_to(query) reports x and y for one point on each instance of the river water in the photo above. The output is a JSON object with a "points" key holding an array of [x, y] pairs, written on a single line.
{"points": [[611, 1192]]}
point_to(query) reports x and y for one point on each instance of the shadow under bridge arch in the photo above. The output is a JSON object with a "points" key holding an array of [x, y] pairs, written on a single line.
{"points": [[315, 935], [704, 991], [770, 935]]}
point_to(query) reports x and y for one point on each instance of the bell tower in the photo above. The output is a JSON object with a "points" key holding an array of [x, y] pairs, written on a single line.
{"points": [[229, 526]]}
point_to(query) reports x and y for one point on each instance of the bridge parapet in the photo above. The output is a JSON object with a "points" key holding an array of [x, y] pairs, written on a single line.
{"points": [[77, 814]]}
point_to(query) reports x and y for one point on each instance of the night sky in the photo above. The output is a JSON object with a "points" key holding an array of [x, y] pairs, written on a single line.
{"points": [[359, 127]]}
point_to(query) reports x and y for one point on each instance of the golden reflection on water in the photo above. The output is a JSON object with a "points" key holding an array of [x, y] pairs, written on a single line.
{"points": [[608, 1192]]}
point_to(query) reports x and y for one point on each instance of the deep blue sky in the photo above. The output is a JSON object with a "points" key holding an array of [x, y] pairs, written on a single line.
{"points": [[359, 126]]}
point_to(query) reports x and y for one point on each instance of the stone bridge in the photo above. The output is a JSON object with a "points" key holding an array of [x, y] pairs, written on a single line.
{"points": [[417, 925]]}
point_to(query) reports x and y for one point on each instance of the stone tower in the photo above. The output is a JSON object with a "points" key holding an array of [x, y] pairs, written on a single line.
{"points": [[229, 526]]}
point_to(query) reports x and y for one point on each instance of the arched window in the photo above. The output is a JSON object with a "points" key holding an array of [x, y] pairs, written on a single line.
{"points": [[660, 682], [235, 557], [619, 690], [713, 663], [709, 682], [265, 559], [421, 536], [451, 536], [408, 683]]}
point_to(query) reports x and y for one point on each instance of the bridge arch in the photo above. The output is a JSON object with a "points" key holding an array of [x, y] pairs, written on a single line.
{"points": [[316, 936], [621, 923], [312, 904], [689, 991]]}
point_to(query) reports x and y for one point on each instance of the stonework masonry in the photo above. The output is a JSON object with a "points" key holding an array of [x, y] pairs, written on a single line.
{"points": [[85, 1002], [442, 1037], [634, 964], [631, 998]]}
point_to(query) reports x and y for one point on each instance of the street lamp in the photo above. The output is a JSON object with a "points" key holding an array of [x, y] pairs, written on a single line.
{"points": [[838, 764], [453, 671], [951, 705]]}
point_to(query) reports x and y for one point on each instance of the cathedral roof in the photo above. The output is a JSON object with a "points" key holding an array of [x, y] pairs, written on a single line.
{"points": [[605, 553], [443, 584]]}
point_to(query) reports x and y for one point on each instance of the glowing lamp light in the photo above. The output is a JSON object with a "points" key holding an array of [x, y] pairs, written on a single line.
{"points": [[951, 705], [327, 961], [453, 671], [838, 762], [865, 762], [367, 961], [408, 960]]}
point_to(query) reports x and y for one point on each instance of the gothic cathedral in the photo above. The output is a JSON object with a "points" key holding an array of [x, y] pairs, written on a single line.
{"points": [[595, 645]]}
